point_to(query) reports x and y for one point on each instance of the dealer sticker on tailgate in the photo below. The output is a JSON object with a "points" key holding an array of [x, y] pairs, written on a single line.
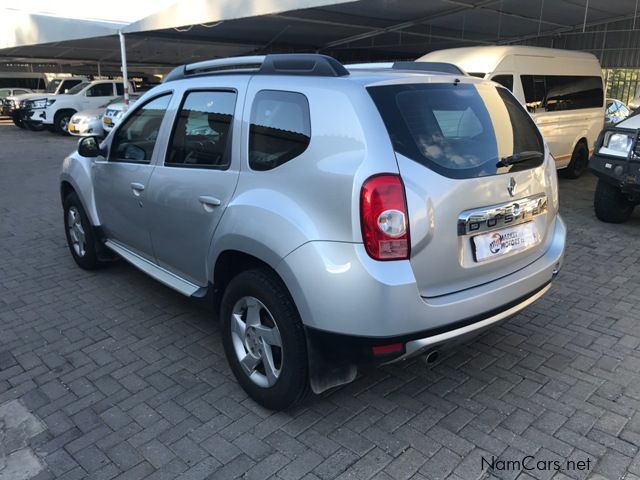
{"points": [[508, 240]]}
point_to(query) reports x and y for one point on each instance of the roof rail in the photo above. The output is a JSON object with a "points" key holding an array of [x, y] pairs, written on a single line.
{"points": [[308, 64], [434, 67]]}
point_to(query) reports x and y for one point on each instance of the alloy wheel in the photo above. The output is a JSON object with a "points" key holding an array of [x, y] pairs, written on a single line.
{"points": [[256, 341], [76, 232]]}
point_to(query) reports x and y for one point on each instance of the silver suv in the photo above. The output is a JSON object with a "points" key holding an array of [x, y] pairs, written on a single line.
{"points": [[332, 217]]}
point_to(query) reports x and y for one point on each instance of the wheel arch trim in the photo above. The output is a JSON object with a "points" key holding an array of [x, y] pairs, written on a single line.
{"points": [[76, 174]]}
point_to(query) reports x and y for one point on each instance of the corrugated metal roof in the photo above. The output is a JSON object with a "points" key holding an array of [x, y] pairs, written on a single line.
{"points": [[362, 30]]}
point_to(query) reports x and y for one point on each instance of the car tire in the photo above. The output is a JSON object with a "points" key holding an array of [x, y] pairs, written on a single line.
{"points": [[17, 122], [579, 162], [81, 237], [610, 204], [61, 121], [34, 127], [257, 313]]}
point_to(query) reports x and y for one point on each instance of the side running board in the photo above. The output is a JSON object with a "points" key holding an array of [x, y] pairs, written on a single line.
{"points": [[160, 274]]}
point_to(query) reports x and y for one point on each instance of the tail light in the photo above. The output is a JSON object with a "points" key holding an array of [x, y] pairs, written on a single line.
{"points": [[384, 219]]}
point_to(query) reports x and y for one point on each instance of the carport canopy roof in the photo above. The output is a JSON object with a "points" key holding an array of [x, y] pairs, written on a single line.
{"points": [[193, 30]]}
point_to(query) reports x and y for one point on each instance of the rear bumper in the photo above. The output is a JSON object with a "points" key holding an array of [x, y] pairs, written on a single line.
{"points": [[360, 350], [349, 301], [459, 334]]}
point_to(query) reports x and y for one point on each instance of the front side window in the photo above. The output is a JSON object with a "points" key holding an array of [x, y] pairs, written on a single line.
{"points": [[458, 130], [135, 140], [505, 80], [119, 88], [201, 135], [101, 90], [280, 128]]}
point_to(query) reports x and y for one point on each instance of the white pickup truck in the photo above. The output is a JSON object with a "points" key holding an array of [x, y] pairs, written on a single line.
{"points": [[56, 111], [56, 86]]}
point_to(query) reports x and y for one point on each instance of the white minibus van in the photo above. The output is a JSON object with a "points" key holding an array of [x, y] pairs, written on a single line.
{"points": [[562, 89], [32, 81]]}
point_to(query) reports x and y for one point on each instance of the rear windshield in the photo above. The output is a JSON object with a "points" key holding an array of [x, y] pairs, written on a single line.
{"points": [[459, 130]]}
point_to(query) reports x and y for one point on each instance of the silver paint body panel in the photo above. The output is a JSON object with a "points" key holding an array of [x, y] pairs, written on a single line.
{"points": [[302, 218]]}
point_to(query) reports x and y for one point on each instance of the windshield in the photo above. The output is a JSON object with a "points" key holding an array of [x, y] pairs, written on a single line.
{"points": [[459, 130], [53, 85], [78, 88], [4, 93]]}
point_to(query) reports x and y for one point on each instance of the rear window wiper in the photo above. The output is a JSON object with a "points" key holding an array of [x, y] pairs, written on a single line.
{"points": [[518, 158]]}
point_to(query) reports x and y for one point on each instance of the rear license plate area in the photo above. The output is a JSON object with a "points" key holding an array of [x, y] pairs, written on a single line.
{"points": [[506, 241]]}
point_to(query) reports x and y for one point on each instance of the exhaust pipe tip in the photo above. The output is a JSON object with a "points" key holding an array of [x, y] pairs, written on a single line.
{"points": [[431, 357]]}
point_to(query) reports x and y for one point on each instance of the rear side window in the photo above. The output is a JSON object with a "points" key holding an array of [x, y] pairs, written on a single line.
{"points": [[458, 130], [32, 83], [280, 128], [202, 133], [552, 93]]}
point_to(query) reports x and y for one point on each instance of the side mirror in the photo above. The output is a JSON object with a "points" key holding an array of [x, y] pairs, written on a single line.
{"points": [[89, 147]]}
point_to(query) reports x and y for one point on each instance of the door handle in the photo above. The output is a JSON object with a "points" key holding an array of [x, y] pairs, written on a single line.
{"points": [[208, 202], [137, 188]]}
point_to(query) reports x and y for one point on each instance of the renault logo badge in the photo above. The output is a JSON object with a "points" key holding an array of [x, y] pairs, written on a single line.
{"points": [[512, 186]]}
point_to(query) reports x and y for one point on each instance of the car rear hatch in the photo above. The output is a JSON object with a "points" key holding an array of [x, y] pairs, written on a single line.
{"points": [[473, 165]]}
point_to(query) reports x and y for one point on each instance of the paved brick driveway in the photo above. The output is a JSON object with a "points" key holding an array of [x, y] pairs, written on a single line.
{"points": [[130, 381]]}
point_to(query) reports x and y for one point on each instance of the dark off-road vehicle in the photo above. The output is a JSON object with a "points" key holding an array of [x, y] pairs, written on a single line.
{"points": [[616, 162]]}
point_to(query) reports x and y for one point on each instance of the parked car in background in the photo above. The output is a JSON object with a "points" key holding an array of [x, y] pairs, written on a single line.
{"points": [[5, 93], [56, 86], [114, 112], [616, 163], [615, 111], [634, 103], [422, 213], [89, 122], [562, 89], [56, 111]]}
